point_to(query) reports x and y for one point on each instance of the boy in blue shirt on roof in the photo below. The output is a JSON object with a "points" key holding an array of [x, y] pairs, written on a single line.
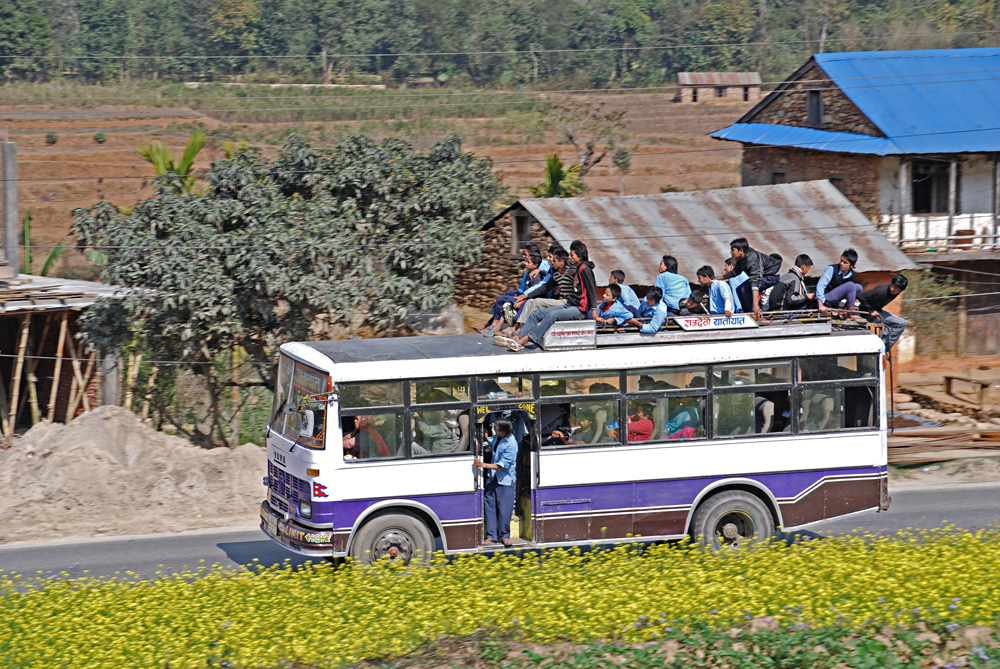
{"points": [[674, 286], [734, 282], [612, 311], [720, 295], [653, 308], [838, 283], [628, 298]]}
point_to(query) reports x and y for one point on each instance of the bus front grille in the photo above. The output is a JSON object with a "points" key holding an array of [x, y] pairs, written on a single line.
{"points": [[284, 485]]}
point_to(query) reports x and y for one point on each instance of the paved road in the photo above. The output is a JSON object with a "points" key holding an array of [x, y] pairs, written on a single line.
{"points": [[970, 506]]}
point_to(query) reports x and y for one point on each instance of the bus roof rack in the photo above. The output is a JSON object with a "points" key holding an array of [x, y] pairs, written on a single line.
{"points": [[570, 335]]}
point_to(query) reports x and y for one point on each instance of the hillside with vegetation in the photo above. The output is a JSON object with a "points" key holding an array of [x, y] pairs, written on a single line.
{"points": [[544, 43]]}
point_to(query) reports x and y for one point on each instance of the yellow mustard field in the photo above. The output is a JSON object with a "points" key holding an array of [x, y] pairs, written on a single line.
{"points": [[322, 616]]}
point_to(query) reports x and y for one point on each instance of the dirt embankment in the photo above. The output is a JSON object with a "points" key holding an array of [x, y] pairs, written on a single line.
{"points": [[108, 474]]}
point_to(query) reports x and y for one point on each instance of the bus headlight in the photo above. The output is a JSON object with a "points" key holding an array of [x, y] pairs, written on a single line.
{"points": [[305, 508]]}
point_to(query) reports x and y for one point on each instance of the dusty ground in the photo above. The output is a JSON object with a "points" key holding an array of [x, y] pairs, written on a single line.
{"points": [[108, 474], [670, 146]]}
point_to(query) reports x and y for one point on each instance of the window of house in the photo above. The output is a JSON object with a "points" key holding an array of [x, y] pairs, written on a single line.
{"points": [[520, 233], [814, 106], [720, 91], [779, 177], [930, 187], [746, 94], [694, 95], [838, 183]]}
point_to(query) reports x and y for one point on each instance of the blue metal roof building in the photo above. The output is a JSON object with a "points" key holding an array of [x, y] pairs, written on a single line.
{"points": [[921, 102]]}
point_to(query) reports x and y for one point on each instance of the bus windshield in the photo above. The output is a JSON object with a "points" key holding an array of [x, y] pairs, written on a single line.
{"points": [[299, 413]]}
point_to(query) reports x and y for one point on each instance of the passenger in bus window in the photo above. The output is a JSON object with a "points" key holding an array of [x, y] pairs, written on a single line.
{"points": [[499, 490], [685, 418], [640, 425], [654, 309], [628, 297], [350, 431], [612, 311]]}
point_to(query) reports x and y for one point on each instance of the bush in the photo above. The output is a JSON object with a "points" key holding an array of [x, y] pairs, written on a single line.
{"points": [[846, 594], [50, 138], [100, 138]]}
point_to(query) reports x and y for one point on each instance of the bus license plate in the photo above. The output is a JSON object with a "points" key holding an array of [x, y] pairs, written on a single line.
{"points": [[271, 523]]}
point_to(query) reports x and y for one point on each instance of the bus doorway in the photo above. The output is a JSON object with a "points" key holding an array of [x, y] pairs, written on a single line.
{"points": [[522, 418]]}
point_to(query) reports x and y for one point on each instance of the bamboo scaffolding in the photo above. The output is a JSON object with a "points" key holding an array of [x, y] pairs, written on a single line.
{"points": [[134, 361], [15, 382], [36, 349], [147, 398], [4, 424], [63, 326], [81, 383]]}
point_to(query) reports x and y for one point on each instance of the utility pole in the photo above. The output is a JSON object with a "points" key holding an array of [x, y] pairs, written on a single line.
{"points": [[10, 265]]}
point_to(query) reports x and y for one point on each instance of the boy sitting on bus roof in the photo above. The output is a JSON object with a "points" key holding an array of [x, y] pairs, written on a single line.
{"points": [[735, 282], [612, 311], [533, 275], [581, 304], [720, 295], [791, 294], [837, 284], [674, 286], [694, 305], [761, 269], [628, 298], [550, 293], [655, 309]]}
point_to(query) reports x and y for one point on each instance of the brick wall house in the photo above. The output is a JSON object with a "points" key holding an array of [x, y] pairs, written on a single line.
{"points": [[718, 87], [910, 137]]}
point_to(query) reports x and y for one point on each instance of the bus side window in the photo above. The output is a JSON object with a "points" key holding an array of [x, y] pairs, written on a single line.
{"points": [[576, 422], [373, 436], [440, 431]]}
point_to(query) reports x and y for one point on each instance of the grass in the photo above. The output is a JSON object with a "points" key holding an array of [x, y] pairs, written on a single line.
{"points": [[854, 596]]}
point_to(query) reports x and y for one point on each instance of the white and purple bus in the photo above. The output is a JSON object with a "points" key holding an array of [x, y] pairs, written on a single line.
{"points": [[720, 431]]}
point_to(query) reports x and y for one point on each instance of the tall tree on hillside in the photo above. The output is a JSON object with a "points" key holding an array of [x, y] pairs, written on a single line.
{"points": [[592, 129], [268, 248], [725, 27], [25, 40]]}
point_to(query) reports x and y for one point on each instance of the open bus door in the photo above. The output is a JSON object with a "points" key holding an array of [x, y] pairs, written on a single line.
{"points": [[522, 418]]}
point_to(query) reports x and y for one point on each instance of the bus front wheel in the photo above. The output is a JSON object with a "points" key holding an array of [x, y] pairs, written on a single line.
{"points": [[731, 519], [400, 536]]}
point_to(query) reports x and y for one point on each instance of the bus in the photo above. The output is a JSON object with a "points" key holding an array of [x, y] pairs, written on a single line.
{"points": [[754, 428]]}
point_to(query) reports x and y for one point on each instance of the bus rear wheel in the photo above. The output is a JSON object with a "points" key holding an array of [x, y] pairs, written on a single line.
{"points": [[399, 537], [732, 519]]}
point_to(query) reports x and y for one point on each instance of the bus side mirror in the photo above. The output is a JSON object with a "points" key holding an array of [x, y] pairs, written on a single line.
{"points": [[307, 424]]}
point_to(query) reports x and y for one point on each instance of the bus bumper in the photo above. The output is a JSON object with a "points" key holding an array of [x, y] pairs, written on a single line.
{"points": [[298, 538]]}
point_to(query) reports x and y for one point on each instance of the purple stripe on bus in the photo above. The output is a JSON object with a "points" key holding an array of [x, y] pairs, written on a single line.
{"points": [[679, 492], [455, 506]]}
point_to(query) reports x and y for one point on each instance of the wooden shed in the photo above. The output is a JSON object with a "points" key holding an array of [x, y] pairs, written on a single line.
{"points": [[718, 86]]}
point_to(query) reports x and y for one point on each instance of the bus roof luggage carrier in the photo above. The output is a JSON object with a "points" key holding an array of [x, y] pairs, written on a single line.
{"points": [[571, 335]]}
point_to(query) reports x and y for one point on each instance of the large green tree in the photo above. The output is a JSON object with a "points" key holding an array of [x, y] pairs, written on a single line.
{"points": [[367, 231]]}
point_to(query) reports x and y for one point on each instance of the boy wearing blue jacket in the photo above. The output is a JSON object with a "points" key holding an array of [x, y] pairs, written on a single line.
{"points": [[653, 308], [674, 287], [612, 311]]}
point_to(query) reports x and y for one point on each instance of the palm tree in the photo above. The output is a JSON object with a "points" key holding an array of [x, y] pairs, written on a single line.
{"points": [[162, 159], [559, 181]]}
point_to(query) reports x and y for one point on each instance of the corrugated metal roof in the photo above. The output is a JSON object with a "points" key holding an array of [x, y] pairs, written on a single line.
{"points": [[929, 101], [632, 233], [718, 79], [806, 138], [41, 293]]}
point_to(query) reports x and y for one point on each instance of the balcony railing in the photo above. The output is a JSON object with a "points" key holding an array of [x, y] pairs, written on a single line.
{"points": [[943, 233]]}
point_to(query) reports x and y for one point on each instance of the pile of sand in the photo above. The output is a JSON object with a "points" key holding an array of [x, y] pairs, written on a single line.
{"points": [[946, 474], [108, 474]]}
